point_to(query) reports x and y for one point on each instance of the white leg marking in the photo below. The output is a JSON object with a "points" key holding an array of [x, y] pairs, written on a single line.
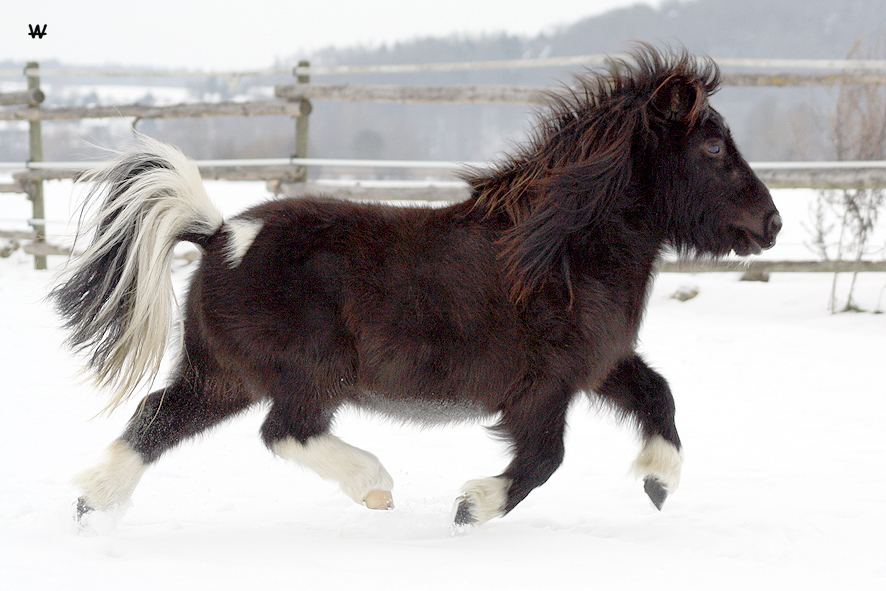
{"points": [[357, 472], [661, 459], [111, 484], [241, 235], [486, 497]]}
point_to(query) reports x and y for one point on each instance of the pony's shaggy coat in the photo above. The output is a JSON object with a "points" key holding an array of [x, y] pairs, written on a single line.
{"points": [[507, 305]]}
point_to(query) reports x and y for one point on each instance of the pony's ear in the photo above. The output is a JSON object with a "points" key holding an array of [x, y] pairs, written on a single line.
{"points": [[679, 100]]}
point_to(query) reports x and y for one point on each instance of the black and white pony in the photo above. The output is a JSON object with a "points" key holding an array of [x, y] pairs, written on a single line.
{"points": [[508, 305]]}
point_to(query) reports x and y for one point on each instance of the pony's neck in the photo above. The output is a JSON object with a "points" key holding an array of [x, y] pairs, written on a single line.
{"points": [[623, 253]]}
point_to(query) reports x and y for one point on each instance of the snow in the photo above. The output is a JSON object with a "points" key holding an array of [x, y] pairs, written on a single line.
{"points": [[780, 406]]}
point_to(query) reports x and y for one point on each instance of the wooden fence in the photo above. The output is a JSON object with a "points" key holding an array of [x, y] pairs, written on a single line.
{"points": [[294, 100]]}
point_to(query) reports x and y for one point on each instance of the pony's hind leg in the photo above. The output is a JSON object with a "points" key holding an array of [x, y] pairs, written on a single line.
{"points": [[302, 436], [164, 419], [644, 396]]}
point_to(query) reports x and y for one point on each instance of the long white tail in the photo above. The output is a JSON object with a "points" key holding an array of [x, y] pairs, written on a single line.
{"points": [[117, 297]]}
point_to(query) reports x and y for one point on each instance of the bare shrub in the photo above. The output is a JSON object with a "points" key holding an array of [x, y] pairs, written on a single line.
{"points": [[844, 221]]}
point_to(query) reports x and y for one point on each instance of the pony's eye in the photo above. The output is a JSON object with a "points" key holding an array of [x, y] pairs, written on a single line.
{"points": [[714, 147]]}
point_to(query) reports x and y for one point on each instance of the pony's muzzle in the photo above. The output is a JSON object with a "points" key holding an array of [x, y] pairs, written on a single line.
{"points": [[752, 234]]}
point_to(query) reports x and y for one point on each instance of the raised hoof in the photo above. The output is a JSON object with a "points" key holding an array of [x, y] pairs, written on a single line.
{"points": [[83, 509], [656, 491], [379, 499], [463, 514]]}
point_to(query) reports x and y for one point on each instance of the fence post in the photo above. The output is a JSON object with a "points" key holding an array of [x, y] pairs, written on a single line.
{"points": [[301, 122], [34, 188]]}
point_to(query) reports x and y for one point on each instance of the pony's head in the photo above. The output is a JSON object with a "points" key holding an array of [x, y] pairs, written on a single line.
{"points": [[706, 196], [637, 140]]}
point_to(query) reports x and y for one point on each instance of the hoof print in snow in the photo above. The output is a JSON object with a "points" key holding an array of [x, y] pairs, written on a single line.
{"points": [[656, 491]]}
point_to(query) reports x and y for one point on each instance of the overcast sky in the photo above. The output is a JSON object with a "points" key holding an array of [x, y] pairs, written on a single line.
{"points": [[234, 35]]}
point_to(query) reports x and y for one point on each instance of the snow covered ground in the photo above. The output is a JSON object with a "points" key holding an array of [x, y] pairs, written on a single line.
{"points": [[781, 407]]}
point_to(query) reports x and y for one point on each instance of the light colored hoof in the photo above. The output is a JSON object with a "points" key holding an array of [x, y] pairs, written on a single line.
{"points": [[379, 499]]}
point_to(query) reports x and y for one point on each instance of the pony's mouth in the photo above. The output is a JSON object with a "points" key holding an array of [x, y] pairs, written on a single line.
{"points": [[746, 243]]}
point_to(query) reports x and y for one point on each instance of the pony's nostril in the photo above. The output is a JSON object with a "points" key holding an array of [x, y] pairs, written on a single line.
{"points": [[774, 226]]}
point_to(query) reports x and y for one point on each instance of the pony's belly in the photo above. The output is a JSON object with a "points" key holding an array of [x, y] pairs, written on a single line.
{"points": [[425, 411]]}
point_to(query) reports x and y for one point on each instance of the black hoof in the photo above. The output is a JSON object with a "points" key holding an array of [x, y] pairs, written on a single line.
{"points": [[656, 491], [463, 514], [83, 508]]}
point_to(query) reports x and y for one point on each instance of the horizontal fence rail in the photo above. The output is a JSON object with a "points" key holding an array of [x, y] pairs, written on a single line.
{"points": [[221, 109], [787, 79], [414, 94], [777, 175], [549, 62], [528, 95], [759, 267], [33, 96]]}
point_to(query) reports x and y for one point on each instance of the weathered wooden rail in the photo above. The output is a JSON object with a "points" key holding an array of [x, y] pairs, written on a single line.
{"points": [[221, 109], [530, 95], [759, 267]]}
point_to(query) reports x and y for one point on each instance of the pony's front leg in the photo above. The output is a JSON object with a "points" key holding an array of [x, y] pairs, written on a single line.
{"points": [[643, 395], [536, 428]]}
